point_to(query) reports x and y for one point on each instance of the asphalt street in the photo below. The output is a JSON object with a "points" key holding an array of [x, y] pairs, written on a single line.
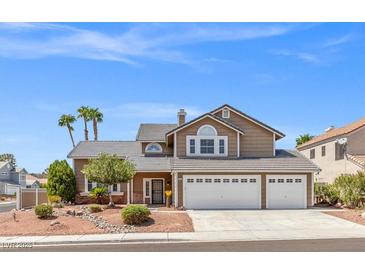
{"points": [[324, 245]]}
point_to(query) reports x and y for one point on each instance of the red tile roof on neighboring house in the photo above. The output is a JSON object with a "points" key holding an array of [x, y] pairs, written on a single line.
{"points": [[358, 159], [334, 133]]}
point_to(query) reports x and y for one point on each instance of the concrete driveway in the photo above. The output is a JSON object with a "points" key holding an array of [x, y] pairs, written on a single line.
{"points": [[8, 206], [275, 224]]}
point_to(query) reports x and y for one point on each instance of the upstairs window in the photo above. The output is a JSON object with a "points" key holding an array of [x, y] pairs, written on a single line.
{"points": [[312, 153], [207, 146], [323, 151], [340, 151], [153, 148], [192, 146], [225, 114], [221, 146], [207, 130]]}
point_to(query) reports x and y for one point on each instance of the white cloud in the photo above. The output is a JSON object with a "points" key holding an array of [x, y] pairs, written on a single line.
{"points": [[149, 110], [153, 41], [338, 41], [303, 56]]}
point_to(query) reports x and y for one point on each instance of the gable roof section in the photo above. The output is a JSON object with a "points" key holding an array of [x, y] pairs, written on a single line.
{"points": [[154, 132], [3, 163], [207, 115], [337, 132], [277, 132]]}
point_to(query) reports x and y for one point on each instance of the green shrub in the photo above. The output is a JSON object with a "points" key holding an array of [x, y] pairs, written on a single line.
{"points": [[331, 193], [99, 193], [43, 211], [61, 181], [351, 188], [54, 199], [135, 214], [95, 208]]}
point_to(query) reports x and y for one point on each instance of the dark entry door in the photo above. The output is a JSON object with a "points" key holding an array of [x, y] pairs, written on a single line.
{"points": [[157, 191]]}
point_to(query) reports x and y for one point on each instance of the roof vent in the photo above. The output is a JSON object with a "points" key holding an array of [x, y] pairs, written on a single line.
{"points": [[329, 129]]}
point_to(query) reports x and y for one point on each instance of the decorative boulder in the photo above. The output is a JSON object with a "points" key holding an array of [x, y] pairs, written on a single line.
{"points": [[363, 215], [55, 222]]}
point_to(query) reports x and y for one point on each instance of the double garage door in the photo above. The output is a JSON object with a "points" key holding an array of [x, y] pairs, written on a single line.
{"points": [[243, 191]]}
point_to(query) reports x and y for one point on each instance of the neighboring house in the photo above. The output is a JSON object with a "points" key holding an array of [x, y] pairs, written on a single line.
{"points": [[337, 151], [223, 159], [32, 181], [11, 178]]}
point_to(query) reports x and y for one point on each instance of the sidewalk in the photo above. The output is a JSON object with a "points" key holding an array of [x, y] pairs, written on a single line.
{"points": [[170, 237]]}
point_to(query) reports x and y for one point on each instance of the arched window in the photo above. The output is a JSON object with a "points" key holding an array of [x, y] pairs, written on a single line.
{"points": [[207, 130], [153, 148]]}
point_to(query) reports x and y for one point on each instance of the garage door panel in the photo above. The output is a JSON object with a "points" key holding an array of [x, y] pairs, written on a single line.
{"points": [[222, 192], [286, 191]]}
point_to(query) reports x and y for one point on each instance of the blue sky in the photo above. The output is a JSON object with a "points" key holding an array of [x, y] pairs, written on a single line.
{"points": [[297, 78]]}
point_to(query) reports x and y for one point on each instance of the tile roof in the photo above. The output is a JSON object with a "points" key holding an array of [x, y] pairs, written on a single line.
{"points": [[286, 160], [3, 163], [337, 132], [154, 132], [358, 159]]}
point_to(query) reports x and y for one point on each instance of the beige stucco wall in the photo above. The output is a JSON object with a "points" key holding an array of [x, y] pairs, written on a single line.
{"points": [[329, 166]]}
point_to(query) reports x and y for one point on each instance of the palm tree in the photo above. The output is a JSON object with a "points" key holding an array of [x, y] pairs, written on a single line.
{"points": [[303, 139], [97, 117], [84, 113], [67, 120]]}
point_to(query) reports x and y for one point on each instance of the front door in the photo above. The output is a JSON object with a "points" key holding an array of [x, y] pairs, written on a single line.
{"points": [[157, 191]]}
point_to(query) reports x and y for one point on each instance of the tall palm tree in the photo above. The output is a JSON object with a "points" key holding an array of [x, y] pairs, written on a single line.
{"points": [[303, 139], [97, 117], [67, 120], [84, 113]]}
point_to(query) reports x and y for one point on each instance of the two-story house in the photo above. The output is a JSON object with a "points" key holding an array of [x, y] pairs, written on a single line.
{"points": [[11, 177], [337, 151], [223, 159]]}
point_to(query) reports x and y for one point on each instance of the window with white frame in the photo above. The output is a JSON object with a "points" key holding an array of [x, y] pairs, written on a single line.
{"points": [[225, 114], [206, 143], [153, 148]]}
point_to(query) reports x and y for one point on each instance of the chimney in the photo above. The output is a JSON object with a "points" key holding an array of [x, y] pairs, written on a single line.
{"points": [[181, 115], [330, 128]]}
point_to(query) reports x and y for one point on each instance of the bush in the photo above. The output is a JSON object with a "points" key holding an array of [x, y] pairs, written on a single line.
{"points": [[99, 193], [331, 193], [95, 208], [54, 199], [135, 214], [351, 188], [43, 211], [61, 181]]}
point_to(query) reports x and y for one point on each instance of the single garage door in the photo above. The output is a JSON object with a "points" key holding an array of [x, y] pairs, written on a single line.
{"points": [[286, 191], [222, 192]]}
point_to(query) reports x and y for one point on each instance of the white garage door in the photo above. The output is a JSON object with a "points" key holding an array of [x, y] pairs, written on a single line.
{"points": [[286, 191], [222, 192]]}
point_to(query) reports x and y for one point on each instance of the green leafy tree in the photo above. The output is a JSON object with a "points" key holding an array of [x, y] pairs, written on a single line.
{"points": [[97, 117], [8, 157], [109, 170], [67, 120], [85, 114], [61, 181], [303, 139]]}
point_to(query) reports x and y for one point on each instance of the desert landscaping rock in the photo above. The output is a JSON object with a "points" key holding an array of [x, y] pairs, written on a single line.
{"points": [[55, 222], [363, 215]]}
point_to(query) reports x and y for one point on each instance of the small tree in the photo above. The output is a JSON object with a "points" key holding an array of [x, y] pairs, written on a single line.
{"points": [[109, 170], [303, 139], [9, 158], [61, 181]]}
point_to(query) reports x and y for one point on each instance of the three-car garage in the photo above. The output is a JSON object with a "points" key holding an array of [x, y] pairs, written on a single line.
{"points": [[245, 191]]}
